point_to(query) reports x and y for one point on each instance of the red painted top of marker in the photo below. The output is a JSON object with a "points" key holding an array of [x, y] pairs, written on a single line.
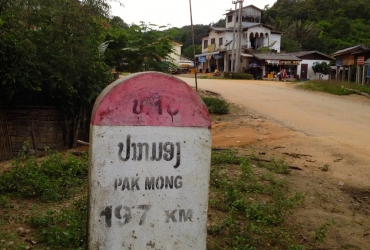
{"points": [[150, 99]]}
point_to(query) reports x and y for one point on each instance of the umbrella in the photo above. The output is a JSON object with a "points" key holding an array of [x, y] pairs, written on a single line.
{"points": [[253, 65]]}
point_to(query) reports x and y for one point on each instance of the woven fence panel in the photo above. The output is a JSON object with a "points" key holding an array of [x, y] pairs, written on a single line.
{"points": [[39, 127], [5, 146]]}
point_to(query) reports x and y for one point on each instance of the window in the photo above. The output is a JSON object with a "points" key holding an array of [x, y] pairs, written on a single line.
{"points": [[213, 40], [205, 44], [220, 41], [229, 18]]}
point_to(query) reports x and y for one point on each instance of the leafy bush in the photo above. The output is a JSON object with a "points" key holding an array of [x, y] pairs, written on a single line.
{"points": [[238, 75], [51, 180], [322, 68], [216, 105]]}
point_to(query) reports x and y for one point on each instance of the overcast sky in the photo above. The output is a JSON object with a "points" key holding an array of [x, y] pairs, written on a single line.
{"points": [[176, 13]]}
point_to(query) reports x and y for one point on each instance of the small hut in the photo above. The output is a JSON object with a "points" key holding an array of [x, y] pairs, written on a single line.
{"points": [[352, 58]]}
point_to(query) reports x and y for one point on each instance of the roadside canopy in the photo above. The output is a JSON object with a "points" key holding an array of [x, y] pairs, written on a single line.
{"points": [[208, 54]]}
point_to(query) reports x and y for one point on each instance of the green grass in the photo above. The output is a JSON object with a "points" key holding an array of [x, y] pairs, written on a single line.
{"points": [[216, 105], [334, 87], [63, 229], [55, 178], [321, 231], [249, 204], [252, 209], [44, 195]]}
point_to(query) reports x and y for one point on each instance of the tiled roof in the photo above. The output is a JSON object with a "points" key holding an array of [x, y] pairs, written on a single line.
{"points": [[267, 56], [350, 50], [304, 53]]}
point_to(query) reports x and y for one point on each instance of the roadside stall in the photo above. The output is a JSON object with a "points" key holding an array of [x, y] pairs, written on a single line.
{"points": [[271, 64]]}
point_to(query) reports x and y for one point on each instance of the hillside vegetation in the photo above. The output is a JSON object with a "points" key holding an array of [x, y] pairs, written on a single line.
{"points": [[323, 25]]}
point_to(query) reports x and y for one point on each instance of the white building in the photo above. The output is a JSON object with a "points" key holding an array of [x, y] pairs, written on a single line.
{"points": [[176, 54], [308, 58], [218, 44]]}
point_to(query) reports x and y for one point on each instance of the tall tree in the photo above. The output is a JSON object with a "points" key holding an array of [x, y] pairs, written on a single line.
{"points": [[49, 54], [341, 23], [189, 51], [300, 31], [147, 48], [278, 24], [221, 23]]}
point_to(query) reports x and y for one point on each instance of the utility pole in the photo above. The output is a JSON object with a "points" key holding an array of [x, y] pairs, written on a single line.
{"points": [[233, 45], [195, 60], [239, 49], [235, 55]]}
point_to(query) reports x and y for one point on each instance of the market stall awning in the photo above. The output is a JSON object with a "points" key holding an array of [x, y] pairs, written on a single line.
{"points": [[281, 57], [278, 59], [208, 54], [246, 55]]}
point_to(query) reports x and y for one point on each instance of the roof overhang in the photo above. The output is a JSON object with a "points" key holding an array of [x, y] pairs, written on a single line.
{"points": [[281, 57], [246, 55], [207, 54]]}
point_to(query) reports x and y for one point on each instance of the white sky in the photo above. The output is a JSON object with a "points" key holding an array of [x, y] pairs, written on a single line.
{"points": [[176, 13]]}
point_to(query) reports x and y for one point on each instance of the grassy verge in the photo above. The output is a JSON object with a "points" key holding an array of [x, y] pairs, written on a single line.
{"points": [[216, 105], [335, 87], [248, 205], [43, 203]]}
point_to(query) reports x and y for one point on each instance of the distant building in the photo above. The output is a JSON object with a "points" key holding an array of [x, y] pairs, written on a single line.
{"points": [[259, 52], [348, 59], [176, 55], [304, 69], [218, 44]]}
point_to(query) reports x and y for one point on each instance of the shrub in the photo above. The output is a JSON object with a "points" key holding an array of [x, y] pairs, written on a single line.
{"points": [[216, 105], [237, 75]]}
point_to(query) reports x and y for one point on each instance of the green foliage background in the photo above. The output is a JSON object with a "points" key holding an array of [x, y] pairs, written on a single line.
{"points": [[323, 25], [340, 24], [49, 55], [52, 52]]}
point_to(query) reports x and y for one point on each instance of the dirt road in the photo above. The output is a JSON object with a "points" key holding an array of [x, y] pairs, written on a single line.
{"points": [[333, 129]]}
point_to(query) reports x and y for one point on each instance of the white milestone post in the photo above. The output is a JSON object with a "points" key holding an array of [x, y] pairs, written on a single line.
{"points": [[150, 153]]}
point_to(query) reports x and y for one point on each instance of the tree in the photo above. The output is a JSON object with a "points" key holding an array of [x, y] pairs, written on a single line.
{"points": [[300, 31], [322, 68], [117, 22], [49, 54], [184, 36], [116, 39], [147, 48], [189, 52], [278, 24], [341, 24], [18, 67], [221, 23]]}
